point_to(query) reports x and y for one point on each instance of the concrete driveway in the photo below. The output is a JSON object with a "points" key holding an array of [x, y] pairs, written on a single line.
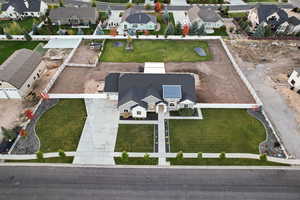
{"points": [[97, 142], [178, 3], [180, 17], [277, 109]]}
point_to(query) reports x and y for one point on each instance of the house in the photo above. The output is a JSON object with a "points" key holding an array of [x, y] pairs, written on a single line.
{"points": [[16, 9], [294, 80], [293, 25], [19, 72], [140, 93], [205, 16], [135, 20], [74, 16]]}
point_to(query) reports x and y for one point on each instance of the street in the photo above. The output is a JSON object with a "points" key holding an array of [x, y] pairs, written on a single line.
{"points": [[32, 183]]}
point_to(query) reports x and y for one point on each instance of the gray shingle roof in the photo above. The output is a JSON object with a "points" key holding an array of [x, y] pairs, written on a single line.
{"points": [[20, 5], [136, 86], [297, 70], [204, 13], [265, 10], [19, 66], [135, 16], [294, 21], [65, 13]]}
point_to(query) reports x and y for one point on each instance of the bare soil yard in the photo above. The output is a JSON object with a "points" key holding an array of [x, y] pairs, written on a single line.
{"points": [[89, 80], [84, 55], [219, 82]]}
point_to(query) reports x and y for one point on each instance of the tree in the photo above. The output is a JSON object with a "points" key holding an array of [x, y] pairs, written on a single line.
{"points": [[201, 30], [61, 153], [199, 155], [61, 3], [8, 36], [113, 32], [166, 16], [147, 6], [129, 5], [178, 29], [170, 29], [194, 28], [40, 156], [27, 36], [260, 31], [179, 155], [29, 114], [93, 3], [157, 6], [8, 134], [222, 155], [146, 157], [185, 30], [125, 156]]}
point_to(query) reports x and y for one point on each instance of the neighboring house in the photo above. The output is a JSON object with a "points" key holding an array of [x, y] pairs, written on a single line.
{"points": [[140, 93], [16, 9], [19, 72], [294, 80], [74, 16], [205, 16], [275, 17], [135, 20]]}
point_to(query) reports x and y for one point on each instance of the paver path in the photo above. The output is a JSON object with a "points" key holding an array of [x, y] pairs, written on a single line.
{"points": [[97, 142]]}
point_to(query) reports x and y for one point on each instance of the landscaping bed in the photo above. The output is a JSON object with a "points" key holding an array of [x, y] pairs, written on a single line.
{"points": [[61, 126], [114, 1], [226, 161], [135, 138], [53, 30], [155, 51], [136, 161], [9, 47], [150, 116], [187, 112], [221, 130], [68, 159]]}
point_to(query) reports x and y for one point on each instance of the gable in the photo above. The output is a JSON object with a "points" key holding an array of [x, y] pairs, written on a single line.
{"points": [[151, 99]]}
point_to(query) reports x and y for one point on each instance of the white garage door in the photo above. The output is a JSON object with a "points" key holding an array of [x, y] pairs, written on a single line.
{"points": [[13, 94], [2, 95]]}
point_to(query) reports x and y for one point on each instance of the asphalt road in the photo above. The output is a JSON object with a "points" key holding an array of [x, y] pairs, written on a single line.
{"points": [[42, 183]]}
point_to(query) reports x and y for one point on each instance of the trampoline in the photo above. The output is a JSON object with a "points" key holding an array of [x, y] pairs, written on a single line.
{"points": [[118, 44], [200, 51]]}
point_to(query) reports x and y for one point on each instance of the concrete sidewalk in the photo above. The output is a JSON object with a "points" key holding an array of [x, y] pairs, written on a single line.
{"points": [[97, 142]]}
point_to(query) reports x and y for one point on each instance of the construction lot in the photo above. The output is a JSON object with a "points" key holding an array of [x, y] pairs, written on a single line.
{"points": [[84, 54], [218, 80]]}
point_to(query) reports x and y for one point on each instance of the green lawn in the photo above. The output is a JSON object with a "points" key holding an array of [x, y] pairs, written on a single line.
{"points": [[227, 161], [135, 138], [136, 161], [249, 1], [221, 130], [9, 47], [46, 160], [155, 51], [61, 126], [26, 24]]}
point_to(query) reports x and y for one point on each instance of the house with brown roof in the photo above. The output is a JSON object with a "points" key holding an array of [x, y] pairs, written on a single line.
{"points": [[19, 72]]}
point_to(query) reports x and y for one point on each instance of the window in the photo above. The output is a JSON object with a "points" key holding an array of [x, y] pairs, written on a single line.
{"points": [[125, 110], [186, 105], [28, 85], [138, 112], [172, 104], [125, 26], [34, 78], [38, 75], [293, 82]]}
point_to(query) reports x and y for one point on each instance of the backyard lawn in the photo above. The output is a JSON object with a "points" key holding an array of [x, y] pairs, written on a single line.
{"points": [[221, 130], [227, 161], [25, 24], [135, 138], [9, 47], [155, 51], [61, 126]]}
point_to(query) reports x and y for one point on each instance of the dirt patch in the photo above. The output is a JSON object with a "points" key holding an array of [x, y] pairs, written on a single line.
{"points": [[89, 80], [85, 55], [219, 82]]}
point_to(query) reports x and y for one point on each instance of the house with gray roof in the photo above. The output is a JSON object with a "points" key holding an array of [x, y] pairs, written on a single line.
{"points": [[140, 93], [74, 16], [19, 72], [294, 80], [205, 16], [136, 20], [16, 9]]}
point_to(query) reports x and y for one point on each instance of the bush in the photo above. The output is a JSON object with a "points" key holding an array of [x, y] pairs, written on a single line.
{"points": [[13, 28], [129, 5], [148, 7], [125, 156], [61, 153], [146, 157], [186, 112], [179, 155], [263, 157], [40, 156], [222, 155], [199, 155]]}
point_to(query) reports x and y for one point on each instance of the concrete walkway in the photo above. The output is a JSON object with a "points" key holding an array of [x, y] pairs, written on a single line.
{"points": [[161, 139], [277, 109], [97, 142]]}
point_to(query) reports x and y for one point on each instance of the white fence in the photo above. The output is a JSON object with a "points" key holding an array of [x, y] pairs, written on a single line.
{"points": [[224, 105], [78, 96]]}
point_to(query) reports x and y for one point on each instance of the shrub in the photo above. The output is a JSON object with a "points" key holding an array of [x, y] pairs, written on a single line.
{"points": [[263, 157], [13, 28], [61, 153], [125, 156], [222, 155], [40, 155], [27, 37], [179, 155], [146, 157], [199, 155], [129, 5], [148, 7]]}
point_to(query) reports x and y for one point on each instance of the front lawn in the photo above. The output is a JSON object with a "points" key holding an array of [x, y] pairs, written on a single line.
{"points": [[61, 126], [227, 161], [136, 161], [9, 47], [221, 130], [135, 138], [155, 51], [68, 159]]}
